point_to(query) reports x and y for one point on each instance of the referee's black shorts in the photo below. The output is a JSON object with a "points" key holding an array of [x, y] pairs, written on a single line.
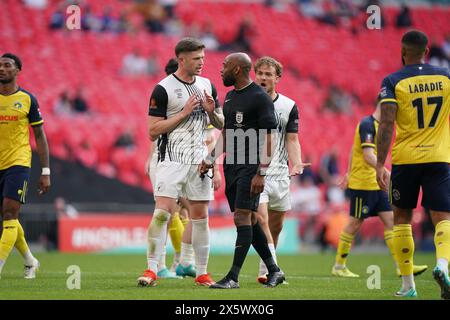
{"points": [[434, 178], [238, 179]]}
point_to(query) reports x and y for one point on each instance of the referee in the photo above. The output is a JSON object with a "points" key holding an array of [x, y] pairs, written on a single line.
{"points": [[249, 114]]}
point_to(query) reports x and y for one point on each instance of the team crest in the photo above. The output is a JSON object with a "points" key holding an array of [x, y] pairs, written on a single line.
{"points": [[18, 105], [239, 117], [179, 93], [369, 138], [365, 210], [396, 194]]}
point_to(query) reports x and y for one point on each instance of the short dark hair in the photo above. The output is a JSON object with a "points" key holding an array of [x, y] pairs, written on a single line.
{"points": [[171, 66], [188, 45], [16, 59], [415, 39]]}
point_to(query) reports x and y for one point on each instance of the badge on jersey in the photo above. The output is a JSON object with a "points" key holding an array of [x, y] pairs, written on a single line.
{"points": [[239, 117], [369, 138]]}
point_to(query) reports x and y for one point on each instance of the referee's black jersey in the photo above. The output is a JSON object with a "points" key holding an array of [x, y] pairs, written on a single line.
{"points": [[248, 113]]}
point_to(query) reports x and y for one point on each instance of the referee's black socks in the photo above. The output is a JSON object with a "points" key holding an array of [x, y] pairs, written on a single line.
{"points": [[243, 242], [259, 242]]}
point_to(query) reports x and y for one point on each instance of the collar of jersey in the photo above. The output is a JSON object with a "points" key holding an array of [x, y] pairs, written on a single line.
{"points": [[9, 95], [188, 83]]}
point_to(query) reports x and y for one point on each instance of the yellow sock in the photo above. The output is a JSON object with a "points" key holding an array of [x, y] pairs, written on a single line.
{"points": [[21, 243], [442, 240], [404, 248], [345, 244], [9, 236], [176, 229], [389, 238]]}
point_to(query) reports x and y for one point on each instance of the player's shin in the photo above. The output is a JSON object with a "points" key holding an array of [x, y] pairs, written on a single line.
{"points": [[9, 237], [343, 250], [404, 251], [389, 239], [442, 243], [22, 246], [259, 242], [200, 243], [157, 232]]}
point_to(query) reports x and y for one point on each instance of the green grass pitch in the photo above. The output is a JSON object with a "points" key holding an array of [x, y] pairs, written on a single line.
{"points": [[114, 277]]}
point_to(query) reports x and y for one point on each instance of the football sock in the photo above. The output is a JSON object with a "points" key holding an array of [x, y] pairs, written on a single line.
{"points": [[389, 239], [157, 233], [200, 243], [262, 266], [243, 242], [187, 254], [343, 250], [176, 229], [442, 243], [259, 242], [22, 246], [9, 237], [404, 252], [162, 259]]}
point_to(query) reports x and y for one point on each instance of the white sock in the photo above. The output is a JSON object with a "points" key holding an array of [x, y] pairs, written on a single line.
{"points": [[157, 233], [176, 257], [29, 258], [187, 254], [162, 259], [262, 266], [442, 264], [338, 266], [200, 243], [408, 282]]}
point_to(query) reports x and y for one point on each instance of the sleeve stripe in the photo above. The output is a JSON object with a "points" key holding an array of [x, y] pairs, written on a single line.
{"points": [[388, 100], [37, 123], [368, 145]]}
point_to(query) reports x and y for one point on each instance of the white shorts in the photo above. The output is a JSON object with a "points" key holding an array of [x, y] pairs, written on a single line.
{"points": [[153, 164], [276, 193], [174, 180]]}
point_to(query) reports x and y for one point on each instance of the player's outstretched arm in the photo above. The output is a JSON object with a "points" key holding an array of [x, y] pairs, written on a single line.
{"points": [[44, 159], [295, 154], [384, 138]]}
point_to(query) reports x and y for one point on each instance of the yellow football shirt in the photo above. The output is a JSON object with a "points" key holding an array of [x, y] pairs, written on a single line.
{"points": [[17, 112], [421, 93], [362, 176]]}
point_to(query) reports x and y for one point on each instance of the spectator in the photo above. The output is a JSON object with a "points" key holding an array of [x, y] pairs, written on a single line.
{"points": [[152, 65], [404, 19], [242, 39], [306, 196], [337, 101], [36, 4], [208, 38], [153, 14], [125, 140], [446, 46], [108, 23], [329, 168], [134, 64], [79, 103], [437, 55], [63, 105], [57, 20], [169, 6]]}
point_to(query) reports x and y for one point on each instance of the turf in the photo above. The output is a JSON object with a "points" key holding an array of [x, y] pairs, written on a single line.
{"points": [[114, 277]]}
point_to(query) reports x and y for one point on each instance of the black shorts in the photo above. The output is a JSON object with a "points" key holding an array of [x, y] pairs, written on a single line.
{"points": [[14, 183], [434, 178], [238, 180], [368, 203]]}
